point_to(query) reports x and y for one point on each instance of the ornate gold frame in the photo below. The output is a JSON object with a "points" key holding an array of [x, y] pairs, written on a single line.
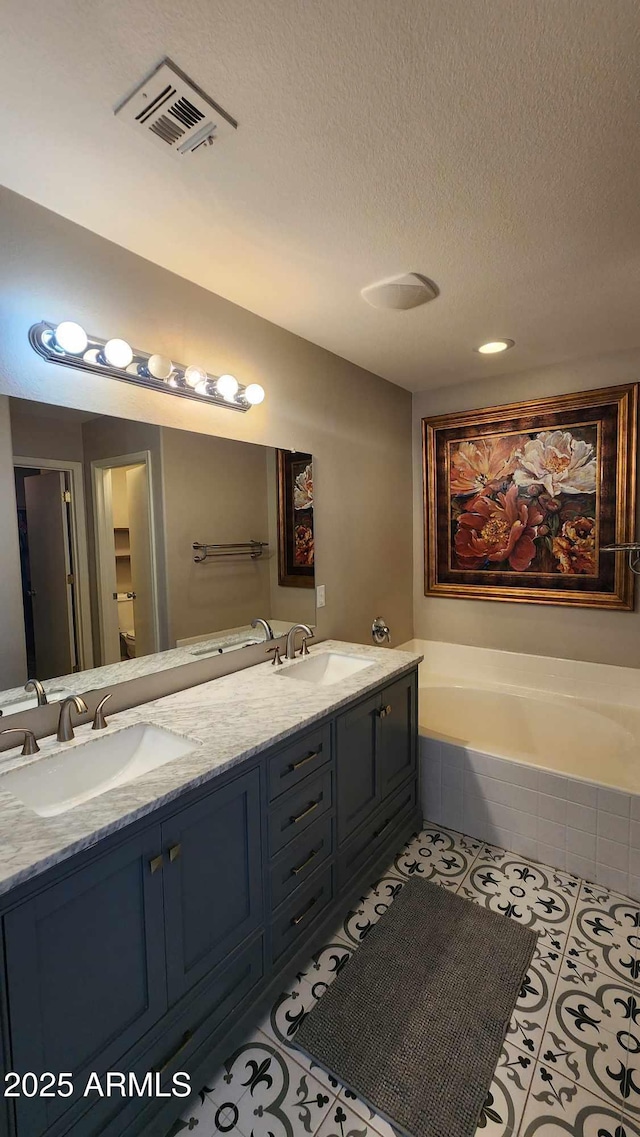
{"points": [[622, 598]]}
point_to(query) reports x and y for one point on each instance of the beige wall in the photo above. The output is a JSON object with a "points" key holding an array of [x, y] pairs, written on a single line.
{"points": [[571, 633], [357, 426], [40, 436], [214, 490]]}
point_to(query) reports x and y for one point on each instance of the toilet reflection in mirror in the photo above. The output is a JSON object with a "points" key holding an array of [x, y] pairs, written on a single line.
{"points": [[107, 513]]}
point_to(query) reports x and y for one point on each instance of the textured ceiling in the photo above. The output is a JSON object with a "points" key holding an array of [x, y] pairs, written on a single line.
{"points": [[493, 145]]}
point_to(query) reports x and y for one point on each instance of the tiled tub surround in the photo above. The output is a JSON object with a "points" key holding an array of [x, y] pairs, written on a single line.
{"points": [[231, 720], [540, 756], [585, 828]]}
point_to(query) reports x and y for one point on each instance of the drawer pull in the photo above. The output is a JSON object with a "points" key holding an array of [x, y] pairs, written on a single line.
{"points": [[303, 761], [305, 813], [382, 828], [155, 863], [384, 711], [186, 1039], [305, 912], [298, 869], [174, 852]]}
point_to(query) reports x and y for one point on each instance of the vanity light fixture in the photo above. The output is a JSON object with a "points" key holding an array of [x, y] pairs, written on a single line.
{"points": [[70, 337], [227, 386], [493, 347], [116, 352], [68, 344]]}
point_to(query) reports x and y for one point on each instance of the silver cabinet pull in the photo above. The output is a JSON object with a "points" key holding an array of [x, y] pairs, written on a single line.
{"points": [[299, 868], [305, 912], [382, 828], [305, 813], [186, 1039], [303, 761]]}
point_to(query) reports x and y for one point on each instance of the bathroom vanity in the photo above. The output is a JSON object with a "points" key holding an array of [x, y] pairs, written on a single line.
{"points": [[148, 928]]}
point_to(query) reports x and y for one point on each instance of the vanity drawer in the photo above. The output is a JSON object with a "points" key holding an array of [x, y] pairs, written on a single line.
{"points": [[298, 810], [299, 914], [299, 760], [300, 859], [374, 834]]}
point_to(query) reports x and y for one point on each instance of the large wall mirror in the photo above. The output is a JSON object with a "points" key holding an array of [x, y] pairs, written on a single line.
{"points": [[143, 547]]}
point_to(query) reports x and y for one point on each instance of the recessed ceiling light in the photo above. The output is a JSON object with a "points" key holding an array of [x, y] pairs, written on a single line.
{"points": [[494, 346]]}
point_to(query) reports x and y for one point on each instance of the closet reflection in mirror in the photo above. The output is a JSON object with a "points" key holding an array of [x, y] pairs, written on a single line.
{"points": [[108, 513]]}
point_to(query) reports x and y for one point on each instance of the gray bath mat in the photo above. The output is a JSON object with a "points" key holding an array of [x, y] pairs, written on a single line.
{"points": [[415, 1023]]}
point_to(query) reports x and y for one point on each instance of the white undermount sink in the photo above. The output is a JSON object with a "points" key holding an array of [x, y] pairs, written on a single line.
{"points": [[325, 669], [56, 783]]}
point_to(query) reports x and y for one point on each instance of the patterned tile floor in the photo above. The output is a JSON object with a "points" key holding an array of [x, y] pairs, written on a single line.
{"points": [[571, 1060]]}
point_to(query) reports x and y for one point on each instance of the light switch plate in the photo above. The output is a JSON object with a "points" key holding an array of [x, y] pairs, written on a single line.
{"points": [[320, 596]]}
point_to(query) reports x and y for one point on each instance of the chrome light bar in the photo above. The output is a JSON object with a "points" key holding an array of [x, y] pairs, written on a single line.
{"points": [[68, 344]]}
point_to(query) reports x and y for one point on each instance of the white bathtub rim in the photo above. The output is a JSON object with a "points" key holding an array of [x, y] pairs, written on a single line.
{"points": [[522, 757]]}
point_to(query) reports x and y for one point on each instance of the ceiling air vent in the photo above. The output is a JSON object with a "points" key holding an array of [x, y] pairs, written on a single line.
{"points": [[174, 113]]}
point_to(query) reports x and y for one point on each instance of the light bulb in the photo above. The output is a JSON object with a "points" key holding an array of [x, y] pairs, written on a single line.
{"points": [[227, 386], [71, 337], [194, 375], [160, 366], [494, 346], [254, 394], [118, 353]]}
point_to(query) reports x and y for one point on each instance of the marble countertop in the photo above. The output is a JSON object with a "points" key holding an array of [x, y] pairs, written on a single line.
{"points": [[230, 719]]}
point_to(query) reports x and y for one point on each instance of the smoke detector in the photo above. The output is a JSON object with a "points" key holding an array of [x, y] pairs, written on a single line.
{"points": [[408, 290], [174, 113]]}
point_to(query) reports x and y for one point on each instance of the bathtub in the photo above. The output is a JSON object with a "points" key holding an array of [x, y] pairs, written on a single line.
{"points": [[538, 756], [560, 734]]}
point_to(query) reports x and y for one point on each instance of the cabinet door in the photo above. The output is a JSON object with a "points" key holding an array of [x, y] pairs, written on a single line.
{"points": [[397, 740], [356, 774], [86, 972], [212, 880]]}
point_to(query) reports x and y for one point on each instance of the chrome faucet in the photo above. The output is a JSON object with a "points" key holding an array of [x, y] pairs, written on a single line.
{"points": [[268, 630], [29, 746], [65, 729], [36, 685], [99, 721], [380, 631], [291, 640]]}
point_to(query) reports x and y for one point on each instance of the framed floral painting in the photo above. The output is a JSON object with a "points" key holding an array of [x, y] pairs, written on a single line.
{"points": [[295, 519], [520, 500]]}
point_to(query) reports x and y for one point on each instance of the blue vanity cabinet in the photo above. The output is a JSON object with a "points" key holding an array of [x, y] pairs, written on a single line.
{"points": [[85, 962], [212, 880], [376, 752], [376, 772], [156, 951], [397, 738], [356, 766]]}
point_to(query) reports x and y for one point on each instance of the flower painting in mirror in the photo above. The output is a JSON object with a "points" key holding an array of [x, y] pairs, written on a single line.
{"points": [[295, 519], [521, 499]]}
